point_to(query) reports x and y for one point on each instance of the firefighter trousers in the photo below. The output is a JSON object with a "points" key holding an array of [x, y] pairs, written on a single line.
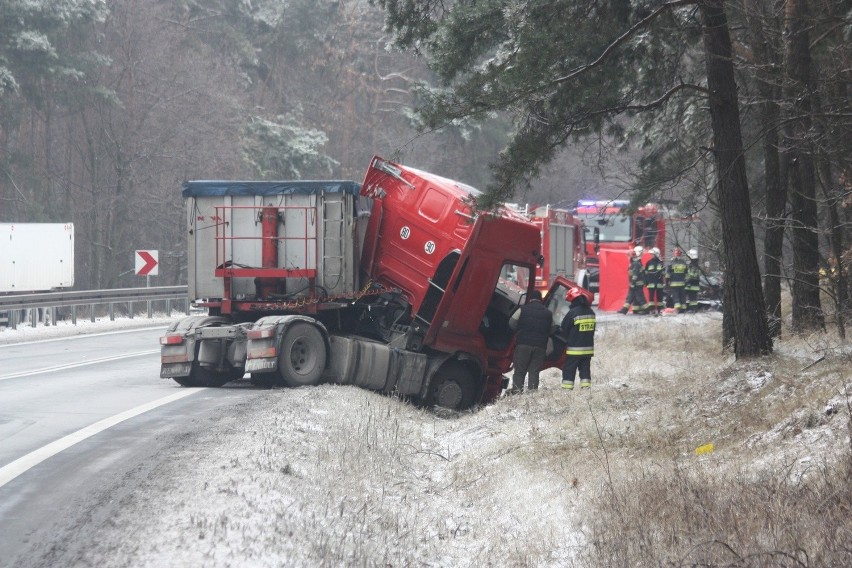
{"points": [[574, 363]]}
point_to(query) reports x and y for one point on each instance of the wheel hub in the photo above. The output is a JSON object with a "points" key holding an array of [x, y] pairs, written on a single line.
{"points": [[450, 395]]}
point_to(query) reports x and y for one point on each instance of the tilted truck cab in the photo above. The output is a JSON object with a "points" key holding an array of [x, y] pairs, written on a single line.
{"points": [[395, 285]]}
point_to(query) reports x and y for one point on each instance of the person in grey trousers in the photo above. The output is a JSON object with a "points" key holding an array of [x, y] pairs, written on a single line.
{"points": [[533, 324]]}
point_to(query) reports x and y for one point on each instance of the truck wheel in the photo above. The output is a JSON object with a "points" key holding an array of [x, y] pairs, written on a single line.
{"points": [[189, 381], [204, 377], [215, 379], [301, 359], [453, 387], [265, 380]]}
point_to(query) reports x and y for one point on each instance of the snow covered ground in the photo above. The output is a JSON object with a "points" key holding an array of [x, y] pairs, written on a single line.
{"points": [[339, 476], [25, 332]]}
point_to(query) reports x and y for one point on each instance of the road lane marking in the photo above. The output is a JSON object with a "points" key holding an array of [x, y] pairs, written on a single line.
{"points": [[32, 459], [75, 365]]}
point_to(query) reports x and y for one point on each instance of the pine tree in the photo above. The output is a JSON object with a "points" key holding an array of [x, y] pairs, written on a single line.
{"points": [[567, 68]]}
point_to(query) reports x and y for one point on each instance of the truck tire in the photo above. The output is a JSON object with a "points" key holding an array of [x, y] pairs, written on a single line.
{"points": [[265, 380], [453, 387], [189, 381], [302, 356], [203, 377]]}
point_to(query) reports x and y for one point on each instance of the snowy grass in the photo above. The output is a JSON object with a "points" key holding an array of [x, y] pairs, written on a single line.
{"points": [[338, 476], [775, 488]]}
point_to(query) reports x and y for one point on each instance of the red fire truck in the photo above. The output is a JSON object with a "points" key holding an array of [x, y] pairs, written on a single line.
{"points": [[607, 228], [393, 285], [563, 245]]}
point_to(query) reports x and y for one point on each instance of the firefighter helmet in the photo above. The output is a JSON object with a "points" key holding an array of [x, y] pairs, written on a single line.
{"points": [[637, 250], [693, 254], [655, 251], [573, 293], [677, 251]]}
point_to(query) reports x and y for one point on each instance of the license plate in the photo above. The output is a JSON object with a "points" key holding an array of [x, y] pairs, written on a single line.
{"points": [[175, 370], [261, 365]]}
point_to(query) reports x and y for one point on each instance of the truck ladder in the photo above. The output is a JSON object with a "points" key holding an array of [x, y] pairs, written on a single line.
{"points": [[333, 259]]}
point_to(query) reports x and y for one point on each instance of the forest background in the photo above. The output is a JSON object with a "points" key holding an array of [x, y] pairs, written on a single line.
{"points": [[108, 106]]}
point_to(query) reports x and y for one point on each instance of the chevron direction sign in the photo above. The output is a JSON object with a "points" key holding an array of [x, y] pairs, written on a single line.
{"points": [[146, 263]]}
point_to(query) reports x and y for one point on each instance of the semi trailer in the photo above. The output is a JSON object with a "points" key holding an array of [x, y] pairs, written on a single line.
{"points": [[395, 284]]}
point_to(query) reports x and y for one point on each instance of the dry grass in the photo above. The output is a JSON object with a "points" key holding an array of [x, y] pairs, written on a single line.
{"points": [[775, 491], [339, 476]]}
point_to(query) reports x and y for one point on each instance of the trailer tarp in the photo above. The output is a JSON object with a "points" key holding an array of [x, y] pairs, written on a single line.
{"points": [[223, 187]]}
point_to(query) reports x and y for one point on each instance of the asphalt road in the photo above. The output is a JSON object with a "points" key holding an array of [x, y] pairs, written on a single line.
{"points": [[83, 419]]}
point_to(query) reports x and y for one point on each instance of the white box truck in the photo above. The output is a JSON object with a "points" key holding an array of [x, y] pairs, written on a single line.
{"points": [[36, 257]]}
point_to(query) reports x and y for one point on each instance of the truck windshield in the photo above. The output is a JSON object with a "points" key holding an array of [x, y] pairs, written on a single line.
{"points": [[613, 228]]}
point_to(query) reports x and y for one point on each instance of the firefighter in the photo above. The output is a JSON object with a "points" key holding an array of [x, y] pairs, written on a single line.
{"points": [[636, 291], [693, 281], [676, 277], [655, 272], [533, 323], [579, 328]]}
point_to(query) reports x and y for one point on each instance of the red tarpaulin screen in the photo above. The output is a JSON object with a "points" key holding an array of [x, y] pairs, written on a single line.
{"points": [[613, 279]]}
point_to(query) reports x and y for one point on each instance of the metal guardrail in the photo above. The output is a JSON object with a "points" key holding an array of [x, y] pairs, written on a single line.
{"points": [[91, 298]]}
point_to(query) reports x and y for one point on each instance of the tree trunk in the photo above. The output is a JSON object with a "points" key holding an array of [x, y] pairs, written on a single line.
{"points": [[807, 311], [744, 304], [836, 280], [766, 62]]}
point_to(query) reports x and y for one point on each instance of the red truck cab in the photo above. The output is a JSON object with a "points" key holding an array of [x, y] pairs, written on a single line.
{"points": [[463, 272]]}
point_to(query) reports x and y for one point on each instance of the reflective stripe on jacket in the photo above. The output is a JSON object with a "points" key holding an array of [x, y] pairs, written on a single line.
{"points": [[579, 325], [654, 272], [693, 277], [677, 273], [636, 272]]}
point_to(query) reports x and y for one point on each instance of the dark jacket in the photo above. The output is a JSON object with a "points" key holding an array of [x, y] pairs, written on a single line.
{"points": [[534, 324], [693, 276], [676, 272], [655, 270], [579, 327], [636, 272]]}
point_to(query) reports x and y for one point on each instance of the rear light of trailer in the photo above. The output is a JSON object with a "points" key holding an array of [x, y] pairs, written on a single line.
{"points": [[178, 358], [171, 340], [261, 333], [262, 353]]}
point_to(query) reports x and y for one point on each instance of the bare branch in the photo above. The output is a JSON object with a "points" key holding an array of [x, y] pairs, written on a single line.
{"points": [[655, 103], [623, 38]]}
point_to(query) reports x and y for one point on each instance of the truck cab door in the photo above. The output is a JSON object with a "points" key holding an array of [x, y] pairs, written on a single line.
{"points": [[557, 304]]}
